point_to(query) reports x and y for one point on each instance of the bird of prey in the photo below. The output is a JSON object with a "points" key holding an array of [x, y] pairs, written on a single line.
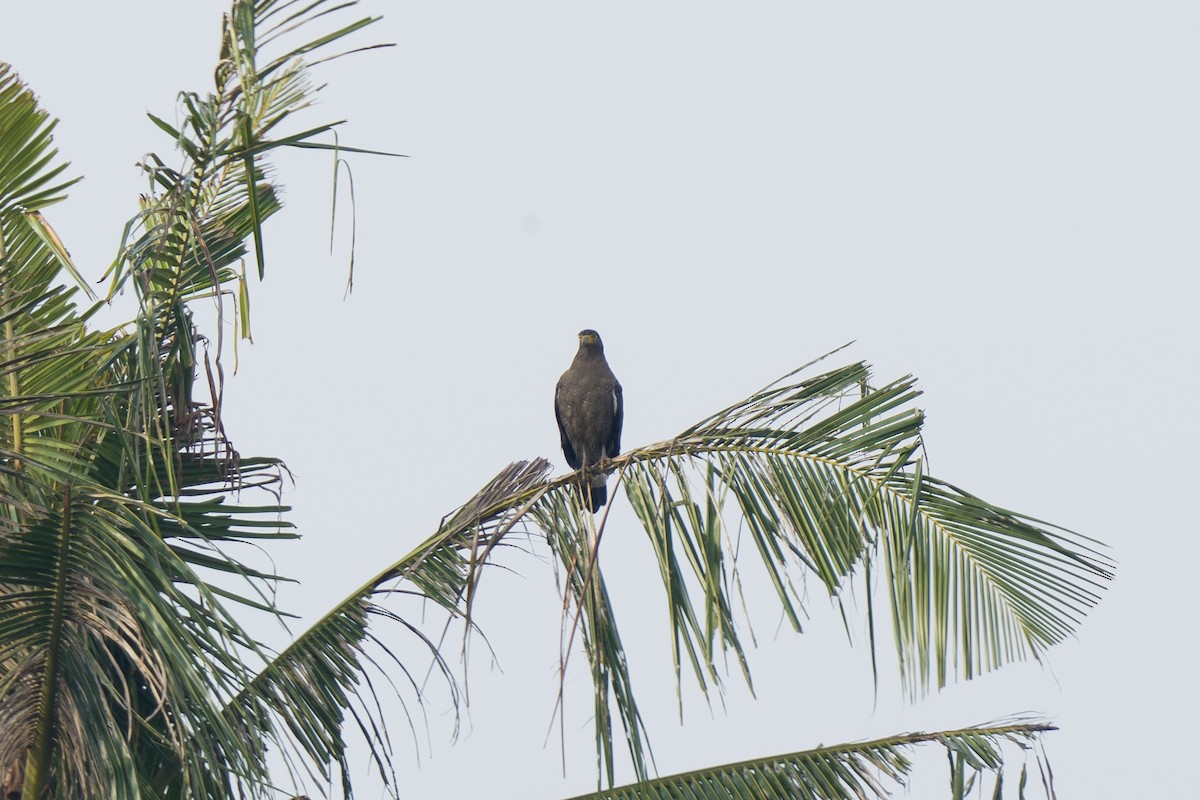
{"points": [[589, 408]]}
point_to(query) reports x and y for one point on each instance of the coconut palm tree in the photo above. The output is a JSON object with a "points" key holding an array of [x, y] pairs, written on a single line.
{"points": [[126, 665]]}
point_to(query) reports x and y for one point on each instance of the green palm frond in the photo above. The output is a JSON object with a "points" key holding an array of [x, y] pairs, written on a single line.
{"points": [[574, 541], [59, 633], [827, 476], [48, 358], [104, 625], [30, 180], [851, 771], [61, 626], [199, 215], [294, 698], [190, 238]]}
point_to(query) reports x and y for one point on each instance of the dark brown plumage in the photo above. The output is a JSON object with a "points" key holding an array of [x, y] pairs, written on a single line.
{"points": [[590, 410]]}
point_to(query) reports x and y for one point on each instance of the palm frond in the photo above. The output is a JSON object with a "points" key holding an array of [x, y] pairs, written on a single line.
{"points": [[574, 540], [61, 623], [30, 180], [91, 633], [850, 771], [200, 214], [301, 698], [828, 477], [189, 241]]}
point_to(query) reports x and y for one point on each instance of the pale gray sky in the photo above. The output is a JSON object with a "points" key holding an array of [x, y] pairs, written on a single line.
{"points": [[999, 198]]}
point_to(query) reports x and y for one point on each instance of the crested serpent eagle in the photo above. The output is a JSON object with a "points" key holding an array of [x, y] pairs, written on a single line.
{"points": [[590, 409]]}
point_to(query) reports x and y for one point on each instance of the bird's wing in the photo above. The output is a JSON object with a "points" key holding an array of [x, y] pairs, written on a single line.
{"points": [[613, 445], [568, 450]]}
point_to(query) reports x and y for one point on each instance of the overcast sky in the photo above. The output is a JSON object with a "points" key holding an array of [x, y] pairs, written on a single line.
{"points": [[1000, 198]]}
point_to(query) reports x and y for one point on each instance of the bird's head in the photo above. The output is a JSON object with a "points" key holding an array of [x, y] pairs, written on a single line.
{"points": [[589, 338]]}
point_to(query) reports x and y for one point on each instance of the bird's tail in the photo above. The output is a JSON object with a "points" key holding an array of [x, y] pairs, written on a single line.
{"points": [[596, 494]]}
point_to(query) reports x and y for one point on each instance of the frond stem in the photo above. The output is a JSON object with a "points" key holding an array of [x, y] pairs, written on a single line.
{"points": [[37, 768], [10, 355], [762, 765]]}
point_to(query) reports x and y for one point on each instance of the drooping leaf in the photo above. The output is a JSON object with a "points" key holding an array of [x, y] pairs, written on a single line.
{"points": [[856, 771]]}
